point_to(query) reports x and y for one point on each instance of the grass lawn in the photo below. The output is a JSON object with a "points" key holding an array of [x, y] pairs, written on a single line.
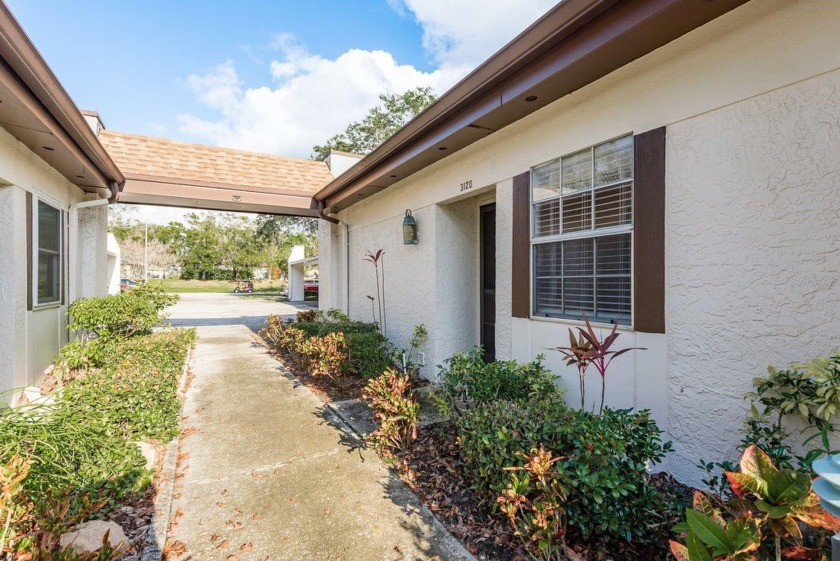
{"points": [[178, 285]]}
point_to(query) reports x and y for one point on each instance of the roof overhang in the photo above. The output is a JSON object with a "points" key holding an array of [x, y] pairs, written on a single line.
{"points": [[164, 191], [35, 109], [573, 45]]}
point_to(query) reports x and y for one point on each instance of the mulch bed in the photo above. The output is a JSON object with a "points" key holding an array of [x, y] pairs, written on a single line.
{"points": [[432, 470], [135, 518]]}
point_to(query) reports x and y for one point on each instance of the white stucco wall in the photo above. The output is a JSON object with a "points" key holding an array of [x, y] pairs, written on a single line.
{"points": [[753, 252], [763, 74], [29, 340]]}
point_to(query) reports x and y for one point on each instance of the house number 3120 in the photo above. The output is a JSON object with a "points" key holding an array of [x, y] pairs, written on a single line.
{"points": [[466, 185]]}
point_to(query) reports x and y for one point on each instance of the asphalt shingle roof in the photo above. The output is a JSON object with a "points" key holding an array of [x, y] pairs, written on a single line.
{"points": [[147, 156]]}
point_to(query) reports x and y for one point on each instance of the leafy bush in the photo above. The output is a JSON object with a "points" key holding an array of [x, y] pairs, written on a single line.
{"points": [[362, 349], [466, 381], [395, 410], [604, 459], [102, 322]]}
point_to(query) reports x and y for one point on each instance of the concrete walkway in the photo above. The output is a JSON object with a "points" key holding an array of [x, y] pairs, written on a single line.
{"points": [[267, 473]]}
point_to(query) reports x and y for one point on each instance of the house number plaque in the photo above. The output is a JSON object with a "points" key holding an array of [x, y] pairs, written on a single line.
{"points": [[466, 185]]}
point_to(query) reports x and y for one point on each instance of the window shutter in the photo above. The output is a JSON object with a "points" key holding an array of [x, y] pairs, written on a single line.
{"points": [[649, 232], [29, 241], [521, 255]]}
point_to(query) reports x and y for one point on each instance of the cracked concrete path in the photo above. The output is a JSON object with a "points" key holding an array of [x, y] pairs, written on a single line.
{"points": [[266, 472]]}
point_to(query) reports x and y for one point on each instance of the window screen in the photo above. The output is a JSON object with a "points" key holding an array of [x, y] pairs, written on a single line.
{"points": [[49, 254], [582, 233]]}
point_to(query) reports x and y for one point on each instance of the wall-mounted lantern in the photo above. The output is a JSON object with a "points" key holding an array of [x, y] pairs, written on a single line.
{"points": [[409, 229]]}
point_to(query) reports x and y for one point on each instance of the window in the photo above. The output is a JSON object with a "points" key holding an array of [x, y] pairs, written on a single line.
{"points": [[49, 249], [581, 235]]}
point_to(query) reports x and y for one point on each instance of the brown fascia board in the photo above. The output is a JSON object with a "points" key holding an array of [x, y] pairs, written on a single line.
{"points": [[574, 44], [26, 62]]}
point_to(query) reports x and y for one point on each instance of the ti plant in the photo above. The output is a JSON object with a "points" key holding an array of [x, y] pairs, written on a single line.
{"points": [[589, 349], [769, 505], [378, 261]]}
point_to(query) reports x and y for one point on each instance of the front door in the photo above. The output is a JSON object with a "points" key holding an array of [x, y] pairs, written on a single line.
{"points": [[488, 281]]}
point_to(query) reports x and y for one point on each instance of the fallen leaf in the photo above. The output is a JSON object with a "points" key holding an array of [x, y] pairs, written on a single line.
{"points": [[223, 545], [246, 547]]}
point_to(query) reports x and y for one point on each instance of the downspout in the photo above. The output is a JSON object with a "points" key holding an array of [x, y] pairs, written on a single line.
{"points": [[73, 262], [346, 234]]}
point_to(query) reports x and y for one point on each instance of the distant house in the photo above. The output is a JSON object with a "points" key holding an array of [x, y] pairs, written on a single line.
{"points": [[55, 180], [671, 166]]}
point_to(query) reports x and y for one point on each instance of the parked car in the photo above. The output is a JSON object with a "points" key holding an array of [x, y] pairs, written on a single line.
{"points": [[310, 286], [125, 284]]}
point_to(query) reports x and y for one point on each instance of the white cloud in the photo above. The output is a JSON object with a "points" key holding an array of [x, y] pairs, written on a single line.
{"points": [[464, 33], [312, 97]]}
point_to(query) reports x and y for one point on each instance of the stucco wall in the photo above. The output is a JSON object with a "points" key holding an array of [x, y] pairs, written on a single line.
{"points": [[753, 255], [30, 339], [93, 276], [748, 58]]}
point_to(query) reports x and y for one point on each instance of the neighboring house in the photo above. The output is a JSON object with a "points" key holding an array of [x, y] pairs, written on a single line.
{"points": [[55, 179], [672, 166]]}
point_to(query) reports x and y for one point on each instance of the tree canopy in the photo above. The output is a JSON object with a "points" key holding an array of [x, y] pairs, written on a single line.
{"points": [[381, 122]]}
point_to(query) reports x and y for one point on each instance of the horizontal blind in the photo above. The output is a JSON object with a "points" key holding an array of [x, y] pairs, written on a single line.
{"points": [[577, 269]]}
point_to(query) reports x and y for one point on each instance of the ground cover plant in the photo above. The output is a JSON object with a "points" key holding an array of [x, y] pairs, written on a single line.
{"points": [[73, 457]]}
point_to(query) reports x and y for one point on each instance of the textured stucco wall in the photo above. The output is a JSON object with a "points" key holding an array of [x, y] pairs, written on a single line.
{"points": [[28, 339], [92, 275], [753, 252], [12, 287], [504, 249], [747, 57]]}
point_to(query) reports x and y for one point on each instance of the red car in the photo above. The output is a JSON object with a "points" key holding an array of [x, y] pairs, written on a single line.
{"points": [[310, 286]]}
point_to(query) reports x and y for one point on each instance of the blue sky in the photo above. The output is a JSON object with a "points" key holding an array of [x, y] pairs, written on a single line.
{"points": [[270, 76]]}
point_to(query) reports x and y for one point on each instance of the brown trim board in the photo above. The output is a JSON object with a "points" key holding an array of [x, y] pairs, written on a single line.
{"points": [[521, 254], [649, 232]]}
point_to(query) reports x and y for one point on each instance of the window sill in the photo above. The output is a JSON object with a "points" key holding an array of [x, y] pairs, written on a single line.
{"points": [[571, 322], [47, 306]]}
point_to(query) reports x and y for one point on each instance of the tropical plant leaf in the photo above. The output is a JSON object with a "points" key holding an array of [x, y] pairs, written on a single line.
{"points": [[710, 532], [756, 462], [743, 484], [798, 552], [787, 486], [702, 503], [697, 550], [679, 551]]}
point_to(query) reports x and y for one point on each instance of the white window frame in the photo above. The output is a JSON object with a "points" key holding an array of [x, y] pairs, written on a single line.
{"points": [[584, 234], [36, 250]]}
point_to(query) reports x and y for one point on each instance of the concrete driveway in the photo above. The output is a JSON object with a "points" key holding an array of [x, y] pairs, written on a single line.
{"points": [[267, 472], [250, 310]]}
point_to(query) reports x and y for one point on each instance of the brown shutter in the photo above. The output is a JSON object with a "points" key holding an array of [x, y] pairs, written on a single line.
{"points": [[29, 263], [521, 255], [649, 232]]}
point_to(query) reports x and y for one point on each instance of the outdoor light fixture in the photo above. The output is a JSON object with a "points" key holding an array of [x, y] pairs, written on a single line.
{"points": [[409, 229]]}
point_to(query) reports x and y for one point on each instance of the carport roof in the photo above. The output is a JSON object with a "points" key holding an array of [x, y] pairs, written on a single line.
{"points": [[165, 172]]}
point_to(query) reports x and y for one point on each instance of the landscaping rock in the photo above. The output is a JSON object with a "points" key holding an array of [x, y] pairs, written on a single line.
{"points": [[88, 536], [150, 453]]}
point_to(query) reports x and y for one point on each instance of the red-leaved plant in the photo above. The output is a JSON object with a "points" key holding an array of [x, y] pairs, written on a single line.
{"points": [[587, 349]]}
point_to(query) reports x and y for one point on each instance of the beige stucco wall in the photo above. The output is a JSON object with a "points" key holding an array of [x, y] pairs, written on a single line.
{"points": [[30, 339], [764, 74]]}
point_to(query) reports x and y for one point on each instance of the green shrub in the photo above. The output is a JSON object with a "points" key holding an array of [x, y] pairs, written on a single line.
{"points": [[367, 353], [364, 350], [603, 459], [102, 322], [466, 381]]}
